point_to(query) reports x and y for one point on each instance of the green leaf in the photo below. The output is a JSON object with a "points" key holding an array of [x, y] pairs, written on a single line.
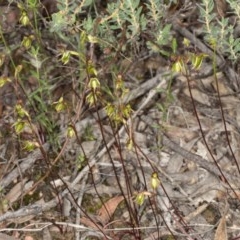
{"points": [[88, 3], [58, 22]]}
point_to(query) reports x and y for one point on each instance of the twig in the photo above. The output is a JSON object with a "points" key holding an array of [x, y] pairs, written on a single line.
{"points": [[26, 163], [79, 202], [234, 181], [197, 159], [156, 83]]}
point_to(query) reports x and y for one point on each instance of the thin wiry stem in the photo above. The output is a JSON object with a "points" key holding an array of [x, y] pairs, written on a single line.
{"points": [[223, 115], [204, 139]]}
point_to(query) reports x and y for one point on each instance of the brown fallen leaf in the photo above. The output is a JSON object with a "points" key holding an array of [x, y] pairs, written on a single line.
{"points": [[108, 208], [197, 95], [221, 232], [16, 191], [89, 223], [177, 133]]}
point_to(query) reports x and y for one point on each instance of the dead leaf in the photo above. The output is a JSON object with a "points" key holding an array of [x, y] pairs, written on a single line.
{"points": [[108, 208], [90, 223], [197, 95], [221, 86], [18, 189], [177, 133], [221, 232], [15, 192]]}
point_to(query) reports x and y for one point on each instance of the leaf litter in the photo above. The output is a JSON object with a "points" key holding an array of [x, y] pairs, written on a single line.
{"points": [[188, 188]]}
